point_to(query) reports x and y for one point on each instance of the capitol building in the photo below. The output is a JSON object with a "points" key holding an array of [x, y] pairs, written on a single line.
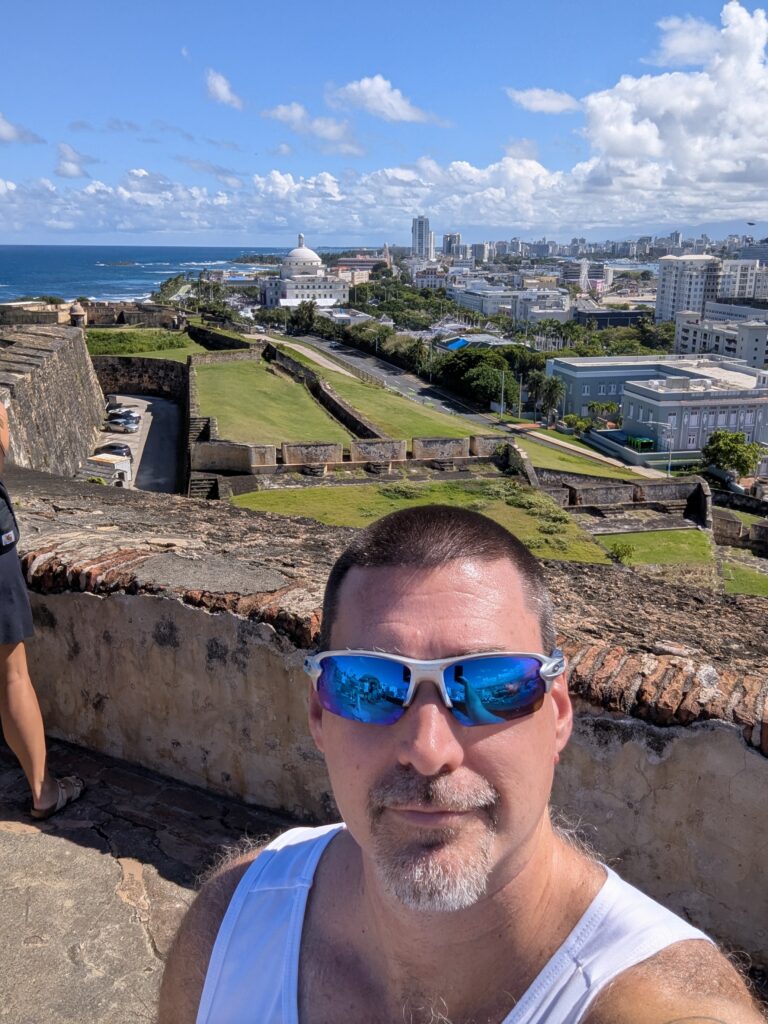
{"points": [[303, 279]]}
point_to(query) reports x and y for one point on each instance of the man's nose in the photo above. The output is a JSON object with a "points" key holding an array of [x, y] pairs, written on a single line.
{"points": [[428, 734]]}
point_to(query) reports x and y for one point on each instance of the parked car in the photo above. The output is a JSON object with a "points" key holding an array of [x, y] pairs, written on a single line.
{"points": [[115, 448], [125, 414], [122, 425], [120, 410]]}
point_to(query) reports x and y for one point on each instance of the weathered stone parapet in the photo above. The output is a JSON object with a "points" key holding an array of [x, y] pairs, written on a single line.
{"points": [[600, 492], [378, 451], [311, 453], [215, 340], [231, 457], [486, 445], [440, 447]]}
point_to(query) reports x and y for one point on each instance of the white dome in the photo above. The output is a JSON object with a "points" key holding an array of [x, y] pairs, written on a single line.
{"points": [[301, 260]]}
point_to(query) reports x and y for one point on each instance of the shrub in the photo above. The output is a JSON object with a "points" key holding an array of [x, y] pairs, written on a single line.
{"points": [[622, 551], [399, 491]]}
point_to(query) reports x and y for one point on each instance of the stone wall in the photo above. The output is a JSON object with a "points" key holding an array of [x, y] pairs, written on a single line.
{"points": [[486, 445], [440, 447], [19, 315], [670, 810], [133, 375], [600, 492], [312, 453], [116, 314], [730, 530], [230, 457], [215, 340], [55, 405], [378, 451], [740, 502]]}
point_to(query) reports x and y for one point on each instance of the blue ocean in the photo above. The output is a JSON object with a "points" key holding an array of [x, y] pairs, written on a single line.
{"points": [[111, 272]]}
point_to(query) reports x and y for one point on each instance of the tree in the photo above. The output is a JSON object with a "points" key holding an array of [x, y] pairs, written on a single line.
{"points": [[536, 381], [552, 395], [729, 450], [302, 318]]}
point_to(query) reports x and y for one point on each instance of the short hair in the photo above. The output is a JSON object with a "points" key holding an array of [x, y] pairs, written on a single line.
{"points": [[434, 535]]}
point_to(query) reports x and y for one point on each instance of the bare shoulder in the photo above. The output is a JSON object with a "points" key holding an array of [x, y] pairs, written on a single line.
{"points": [[689, 982], [190, 953]]}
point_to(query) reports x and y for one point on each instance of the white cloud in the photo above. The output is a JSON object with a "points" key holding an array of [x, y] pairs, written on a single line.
{"points": [[10, 132], [6, 186], [71, 164], [335, 135], [377, 96], [184, 52], [685, 41], [220, 90], [544, 101], [666, 147]]}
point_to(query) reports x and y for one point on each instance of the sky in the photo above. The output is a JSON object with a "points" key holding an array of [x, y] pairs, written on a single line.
{"points": [[169, 123]]}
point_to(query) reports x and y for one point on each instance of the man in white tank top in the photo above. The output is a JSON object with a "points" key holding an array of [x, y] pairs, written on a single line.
{"points": [[442, 708]]}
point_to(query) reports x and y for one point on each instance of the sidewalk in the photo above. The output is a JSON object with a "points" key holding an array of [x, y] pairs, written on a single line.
{"points": [[90, 899]]}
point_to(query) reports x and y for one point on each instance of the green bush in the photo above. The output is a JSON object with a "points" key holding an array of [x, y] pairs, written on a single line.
{"points": [[399, 491], [622, 552]]}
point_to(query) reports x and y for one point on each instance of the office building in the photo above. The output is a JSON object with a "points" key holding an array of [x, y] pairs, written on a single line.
{"points": [[745, 339], [422, 239], [451, 243]]}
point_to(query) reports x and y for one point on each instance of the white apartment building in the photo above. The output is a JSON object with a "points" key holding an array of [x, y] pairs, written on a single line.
{"points": [[730, 312], [737, 279], [422, 239], [743, 339], [303, 279], [480, 295], [685, 283]]}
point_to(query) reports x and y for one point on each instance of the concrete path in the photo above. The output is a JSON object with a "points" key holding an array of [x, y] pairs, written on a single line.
{"points": [[315, 356], [90, 899]]}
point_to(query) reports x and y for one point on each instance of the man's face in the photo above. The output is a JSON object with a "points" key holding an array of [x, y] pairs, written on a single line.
{"points": [[443, 812]]}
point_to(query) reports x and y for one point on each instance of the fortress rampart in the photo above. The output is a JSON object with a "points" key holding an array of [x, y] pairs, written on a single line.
{"points": [[55, 403]]}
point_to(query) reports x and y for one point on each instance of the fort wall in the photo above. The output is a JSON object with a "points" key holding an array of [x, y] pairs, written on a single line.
{"points": [[55, 405], [134, 375]]}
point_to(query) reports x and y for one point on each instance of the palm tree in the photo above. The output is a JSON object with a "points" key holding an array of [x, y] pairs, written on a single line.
{"points": [[535, 385], [552, 395]]}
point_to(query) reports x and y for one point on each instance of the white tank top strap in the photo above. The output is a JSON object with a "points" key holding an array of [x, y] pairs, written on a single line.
{"points": [[253, 971], [620, 928]]}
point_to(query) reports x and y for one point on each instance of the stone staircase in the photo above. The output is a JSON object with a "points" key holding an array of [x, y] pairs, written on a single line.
{"points": [[203, 485]]}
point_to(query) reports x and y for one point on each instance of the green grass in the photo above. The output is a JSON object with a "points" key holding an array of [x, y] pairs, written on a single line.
{"points": [[568, 438], [544, 457], [392, 413], [178, 354], [254, 405], [530, 515], [132, 341], [748, 518], [741, 580], [664, 547]]}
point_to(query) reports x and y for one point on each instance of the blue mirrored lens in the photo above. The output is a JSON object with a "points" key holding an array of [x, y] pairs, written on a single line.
{"points": [[370, 690], [487, 691]]}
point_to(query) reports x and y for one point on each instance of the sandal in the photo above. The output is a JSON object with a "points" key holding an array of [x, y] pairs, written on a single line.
{"points": [[70, 789]]}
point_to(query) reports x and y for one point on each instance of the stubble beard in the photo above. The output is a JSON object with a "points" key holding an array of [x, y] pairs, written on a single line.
{"points": [[433, 869]]}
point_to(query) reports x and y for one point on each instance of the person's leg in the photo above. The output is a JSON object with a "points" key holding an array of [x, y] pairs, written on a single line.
{"points": [[23, 724]]}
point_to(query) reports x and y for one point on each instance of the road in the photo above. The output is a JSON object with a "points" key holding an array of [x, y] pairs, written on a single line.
{"points": [[155, 446]]}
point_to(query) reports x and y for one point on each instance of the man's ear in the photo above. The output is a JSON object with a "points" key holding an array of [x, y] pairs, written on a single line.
{"points": [[561, 700], [315, 713]]}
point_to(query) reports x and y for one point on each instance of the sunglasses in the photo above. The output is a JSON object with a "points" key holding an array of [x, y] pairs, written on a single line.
{"points": [[479, 689]]}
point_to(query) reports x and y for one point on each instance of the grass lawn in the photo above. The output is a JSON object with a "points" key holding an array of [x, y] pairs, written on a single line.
{"points": [[532, 516], [664, 547], [394, 414], [254, 405], [179, 354], [544, 457], [133, 341], [748, 518], [568, 438], [740, 579]]}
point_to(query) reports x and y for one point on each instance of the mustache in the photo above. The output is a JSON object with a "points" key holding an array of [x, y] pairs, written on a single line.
{"points": [[403, 786]]}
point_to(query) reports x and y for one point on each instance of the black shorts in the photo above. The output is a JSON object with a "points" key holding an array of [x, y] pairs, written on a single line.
{"points": [[15, 611]]}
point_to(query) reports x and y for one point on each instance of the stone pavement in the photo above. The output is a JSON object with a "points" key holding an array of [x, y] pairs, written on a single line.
{"points": [[90, 899]]}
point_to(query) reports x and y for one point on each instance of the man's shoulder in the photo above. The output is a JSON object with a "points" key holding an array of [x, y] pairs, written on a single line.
{"points": [[689, 981], [190, 953]]}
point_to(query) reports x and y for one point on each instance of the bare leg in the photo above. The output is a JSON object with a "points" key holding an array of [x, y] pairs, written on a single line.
{"points": [[23, 724]]}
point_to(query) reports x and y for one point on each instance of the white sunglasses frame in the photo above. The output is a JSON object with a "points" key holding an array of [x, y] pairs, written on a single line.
{"points": [[552, 666]]}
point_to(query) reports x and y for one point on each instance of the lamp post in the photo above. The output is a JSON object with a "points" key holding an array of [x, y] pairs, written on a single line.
{"points": [[501, 403]]}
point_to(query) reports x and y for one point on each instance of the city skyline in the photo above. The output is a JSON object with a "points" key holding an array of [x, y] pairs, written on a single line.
{"points": [[215, 137]]}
